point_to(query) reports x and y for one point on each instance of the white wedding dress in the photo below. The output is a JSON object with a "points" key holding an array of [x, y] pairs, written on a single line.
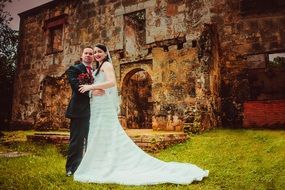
{"points": [[112, 157]]}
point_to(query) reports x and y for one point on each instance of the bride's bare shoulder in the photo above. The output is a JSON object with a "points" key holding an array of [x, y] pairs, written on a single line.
{"points": [[107, 65]]}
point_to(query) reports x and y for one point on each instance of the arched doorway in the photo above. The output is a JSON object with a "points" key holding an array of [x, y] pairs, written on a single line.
{"points": [[137, 106], [54, 96]]}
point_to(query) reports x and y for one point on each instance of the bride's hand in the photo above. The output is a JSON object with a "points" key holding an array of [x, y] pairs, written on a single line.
{"points": [[84, 88]]}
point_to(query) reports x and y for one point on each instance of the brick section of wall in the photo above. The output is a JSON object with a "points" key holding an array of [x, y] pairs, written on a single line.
{"points": [[269, 113]]}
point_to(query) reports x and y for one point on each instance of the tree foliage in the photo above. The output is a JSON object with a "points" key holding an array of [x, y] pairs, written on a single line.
{"points": [[8, 57]]}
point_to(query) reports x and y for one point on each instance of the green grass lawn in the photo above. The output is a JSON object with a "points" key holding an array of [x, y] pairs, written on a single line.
{"points": [[236, 159]]}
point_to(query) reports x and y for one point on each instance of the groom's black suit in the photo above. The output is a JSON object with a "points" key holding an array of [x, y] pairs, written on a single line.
{"points": [[78, 111]]}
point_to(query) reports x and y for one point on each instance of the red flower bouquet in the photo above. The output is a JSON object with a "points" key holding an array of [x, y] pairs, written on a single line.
{"points": [[85, 78]]}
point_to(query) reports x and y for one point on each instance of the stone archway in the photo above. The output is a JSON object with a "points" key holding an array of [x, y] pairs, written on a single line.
{"points": [[54, 96], [137, 107]]}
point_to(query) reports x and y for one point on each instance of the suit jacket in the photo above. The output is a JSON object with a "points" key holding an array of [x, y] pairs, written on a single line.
{"points": [[79, 105]]}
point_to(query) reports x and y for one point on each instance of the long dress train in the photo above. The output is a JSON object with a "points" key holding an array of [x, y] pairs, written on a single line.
{"points": [[112, 157]]}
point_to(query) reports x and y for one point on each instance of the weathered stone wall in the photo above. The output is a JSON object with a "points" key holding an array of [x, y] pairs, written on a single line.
{"points": [[245, 30], [34, 67], [183, 47]]}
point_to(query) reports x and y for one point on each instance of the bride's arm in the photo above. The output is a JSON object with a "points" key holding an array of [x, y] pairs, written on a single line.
{"points": [[109, 76]]}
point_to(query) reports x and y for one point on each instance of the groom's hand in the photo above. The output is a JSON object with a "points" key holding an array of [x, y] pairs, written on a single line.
{"points": [[98, 92]]}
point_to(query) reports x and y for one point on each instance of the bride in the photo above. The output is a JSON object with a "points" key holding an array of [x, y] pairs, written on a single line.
{"points": [[111, 156]]}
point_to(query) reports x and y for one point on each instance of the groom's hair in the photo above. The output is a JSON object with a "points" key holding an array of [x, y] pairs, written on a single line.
{"points": [[90, 47]]}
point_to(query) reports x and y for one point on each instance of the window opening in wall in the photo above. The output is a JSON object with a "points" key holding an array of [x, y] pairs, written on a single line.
{"points": [[54, 44], [266, 61], [266, 76], [276, 60], [134, 33], [54, 30]]}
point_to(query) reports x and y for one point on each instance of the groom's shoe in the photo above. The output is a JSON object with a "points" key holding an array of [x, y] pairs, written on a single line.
{"points": [[69, 173]]}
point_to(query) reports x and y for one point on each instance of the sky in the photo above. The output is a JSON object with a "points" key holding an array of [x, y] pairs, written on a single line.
{"points": [[18, 6]]}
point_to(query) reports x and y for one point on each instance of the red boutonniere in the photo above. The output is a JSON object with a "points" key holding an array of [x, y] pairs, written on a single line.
{"points": [[85, 78]]}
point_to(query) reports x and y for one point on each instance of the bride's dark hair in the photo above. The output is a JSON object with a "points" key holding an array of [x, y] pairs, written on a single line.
{"points": [[107, 58]]}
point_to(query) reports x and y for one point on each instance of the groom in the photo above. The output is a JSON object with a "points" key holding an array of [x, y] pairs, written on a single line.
{"points": [[78, 111]]}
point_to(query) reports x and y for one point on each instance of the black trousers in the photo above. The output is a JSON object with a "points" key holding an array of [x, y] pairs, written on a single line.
{"points": [[79, 128]]}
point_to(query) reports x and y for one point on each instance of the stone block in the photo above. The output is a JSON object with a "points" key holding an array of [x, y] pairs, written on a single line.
{"points": [[149, 4]]}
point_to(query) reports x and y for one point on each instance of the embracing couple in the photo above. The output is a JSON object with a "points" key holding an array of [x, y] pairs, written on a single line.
{"points": [[100, 151]]}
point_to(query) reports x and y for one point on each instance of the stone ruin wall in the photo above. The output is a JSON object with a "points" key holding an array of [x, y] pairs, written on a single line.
{"points": [[180, 54], [244, 31], [40, 89]]}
